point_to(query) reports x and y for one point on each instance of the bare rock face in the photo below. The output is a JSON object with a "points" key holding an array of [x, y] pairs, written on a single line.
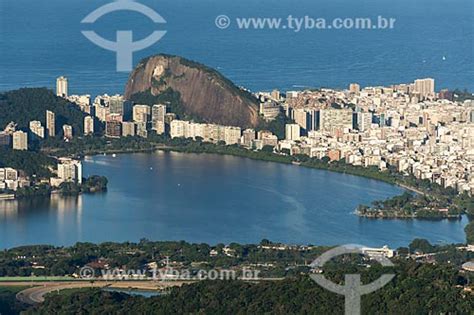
{"points": [[203, 92]]}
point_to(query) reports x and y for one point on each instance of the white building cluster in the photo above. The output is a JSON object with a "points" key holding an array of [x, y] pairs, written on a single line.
{"points": [[403, 126], [69, 170], [208, 132], [10, 179]]}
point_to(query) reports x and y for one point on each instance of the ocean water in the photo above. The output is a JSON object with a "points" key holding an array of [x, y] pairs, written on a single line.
{"points": [[215, 199], [41, 39]]}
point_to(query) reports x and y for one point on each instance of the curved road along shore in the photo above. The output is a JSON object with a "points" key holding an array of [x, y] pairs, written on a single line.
{"points": [[36, 294]]}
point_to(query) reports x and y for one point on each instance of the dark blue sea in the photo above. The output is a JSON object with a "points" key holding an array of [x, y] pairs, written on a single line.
{"points": [[41, 39]]}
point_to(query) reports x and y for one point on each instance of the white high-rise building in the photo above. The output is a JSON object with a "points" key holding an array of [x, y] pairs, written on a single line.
{"points": [[116, 104], [62, 87], [142, 129], [364, 121], [51, 123], [248, 137], [20, 140], [70, 170], [158, 113], [128, 129], [292, 132], [88, 125], [232, 135], [141, 113], [102, 112], [37, 129], [425, 87], [178, 128], [67, 132]]}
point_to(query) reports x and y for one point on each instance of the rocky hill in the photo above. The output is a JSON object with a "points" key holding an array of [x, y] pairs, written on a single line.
{"points": [[201, 92]]}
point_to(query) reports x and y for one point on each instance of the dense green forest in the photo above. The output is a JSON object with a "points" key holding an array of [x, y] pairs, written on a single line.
{"points": [[61, 261], [33, 163], [27, 104], [469, 229], [409, 205], [8, 303], [416, 289]]}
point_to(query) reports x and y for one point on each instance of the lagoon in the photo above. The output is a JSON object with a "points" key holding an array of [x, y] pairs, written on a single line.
{"points": [[215, 199]]}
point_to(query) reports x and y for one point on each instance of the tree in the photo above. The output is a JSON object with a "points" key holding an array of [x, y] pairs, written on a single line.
{"points": [[420, 245], [469, 229]]}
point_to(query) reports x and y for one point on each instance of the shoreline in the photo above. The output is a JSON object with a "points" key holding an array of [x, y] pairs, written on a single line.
{"points": [[265, 156], [166, 148]]}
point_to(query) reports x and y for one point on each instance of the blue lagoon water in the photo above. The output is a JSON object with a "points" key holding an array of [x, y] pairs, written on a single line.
{"points": [[41, 39], [214, 199]]}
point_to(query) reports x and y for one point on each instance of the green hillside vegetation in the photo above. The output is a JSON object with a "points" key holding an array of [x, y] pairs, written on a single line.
{"points": [[27, 104], [469, 229], [416, 289], [8, 302], [32, 163]]}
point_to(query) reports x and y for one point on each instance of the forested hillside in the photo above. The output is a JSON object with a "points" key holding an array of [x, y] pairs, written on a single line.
{"points": [[27, 104]]}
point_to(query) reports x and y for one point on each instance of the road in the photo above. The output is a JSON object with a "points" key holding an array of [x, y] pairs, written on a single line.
{"points": [[36, 294], [39, 289]]}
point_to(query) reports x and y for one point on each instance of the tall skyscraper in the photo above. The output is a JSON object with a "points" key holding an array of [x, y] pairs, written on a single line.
{"points": [[61, 87], [116, 104], [20, 140], [248, 137], [141, 113], [67, 132], [88, 125], [51, 123], [158, 113], [364, 121], [425, 87], [307, 118], [70, 170], [292, 132]]}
